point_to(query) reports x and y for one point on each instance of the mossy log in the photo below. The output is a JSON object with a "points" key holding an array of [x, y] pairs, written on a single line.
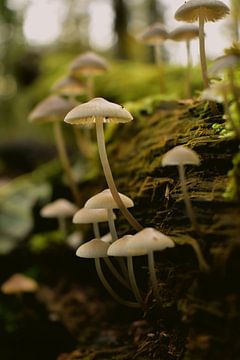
{"points": [[198, 316]]}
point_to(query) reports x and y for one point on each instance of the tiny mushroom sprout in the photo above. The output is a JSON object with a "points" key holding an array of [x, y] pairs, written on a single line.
{"points": [[145, 242], [53, 109], [203, 11], [154, 36], [120, 248], [89, 65], [180, 156], [18, 284], [100, 111], [60, 209], [186, 33], [97, 249]]}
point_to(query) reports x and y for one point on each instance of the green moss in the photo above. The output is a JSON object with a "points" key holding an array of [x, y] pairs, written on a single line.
{"points": [[232, 191], [40, 242]]}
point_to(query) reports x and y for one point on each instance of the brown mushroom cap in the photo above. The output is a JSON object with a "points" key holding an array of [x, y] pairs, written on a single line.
{"points": [[53, 108], [19, 283], [184, 33], [154, 34], [98, 108], [210, 10], [69, 86], [88, 64]]}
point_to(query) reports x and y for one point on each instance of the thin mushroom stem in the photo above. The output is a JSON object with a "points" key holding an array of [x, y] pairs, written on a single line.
{"points": [[133, 281], [82, 143], [187, 200], [114, 235], [61, 147], [189, 70], [90, 87], [111, 225], [62, 225], [203, 52], [158, 54], [152, 273], [110, 289], [109, 178], [111, 267]]}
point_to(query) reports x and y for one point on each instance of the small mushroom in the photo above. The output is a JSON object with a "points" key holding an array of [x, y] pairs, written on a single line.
{"points": [[154, 36], [120, 249], [186, 33], [100, 111], [69, 87], [53, 109], [145, 242], [95, 216], [89, 65], [203, 11], [60, 209], [180, 156], [18, 284], [105, 200], [97, 249]]}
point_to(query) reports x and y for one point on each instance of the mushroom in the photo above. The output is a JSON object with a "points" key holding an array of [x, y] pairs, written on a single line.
{"points": [[120, 249], [89, 65], [203, 11], [69, 87], [95, 216], [105, 200], [228, 63], [18, 284], [53, 109], [154, 36], [97, 249], [101, 111], [180, 156], [145, 242], [60, 209], [186, 33]]}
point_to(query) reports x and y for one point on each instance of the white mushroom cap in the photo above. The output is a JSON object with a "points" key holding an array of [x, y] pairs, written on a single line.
{"points": [[184, 33], [104, 200], [98, 109], [93, 249], [107, 238], [147, 240], [215, 91], [224, 62], [154, 34], [180, 155], [210, 10], [88, 63], [69, 86], [87, 216], [19, 283], [58, 208], [53, 108], [120, 247]]}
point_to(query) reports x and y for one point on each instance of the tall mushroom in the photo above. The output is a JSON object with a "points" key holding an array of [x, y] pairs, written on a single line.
{"points": [[100, 111], [180, 156], [88, 65], [186, 33], [154, 36], [53, 109], [203, 11]]}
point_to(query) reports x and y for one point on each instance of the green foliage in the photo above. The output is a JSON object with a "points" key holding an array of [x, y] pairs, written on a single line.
{"points": [[232, 191], [40, 242]]}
